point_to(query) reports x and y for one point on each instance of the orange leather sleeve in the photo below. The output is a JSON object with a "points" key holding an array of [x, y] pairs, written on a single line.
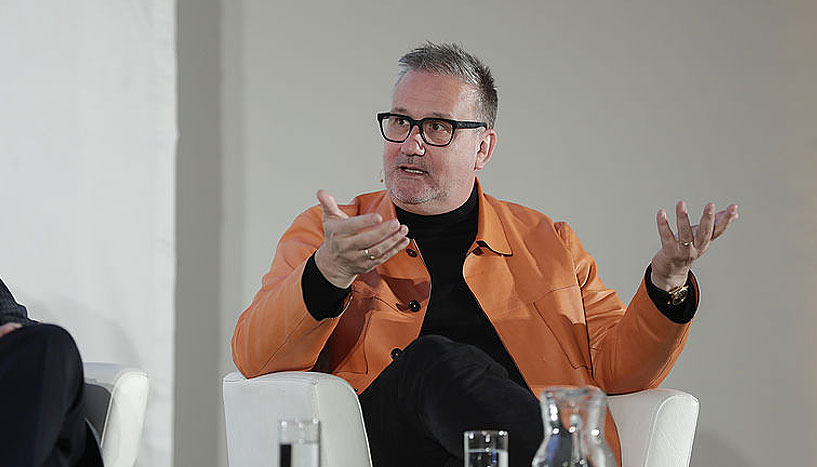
{"points": [[632, 348], [276, 332]]}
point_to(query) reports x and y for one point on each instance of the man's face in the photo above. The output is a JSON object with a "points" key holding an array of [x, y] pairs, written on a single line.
{"points": [[426, 179]]}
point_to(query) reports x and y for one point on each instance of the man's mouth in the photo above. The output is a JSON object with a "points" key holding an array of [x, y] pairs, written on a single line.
{"points": [[412, 170]]}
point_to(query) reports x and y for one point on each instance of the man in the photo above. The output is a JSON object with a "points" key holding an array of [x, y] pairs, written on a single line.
{"points": [[449, 310], [42, 422]]}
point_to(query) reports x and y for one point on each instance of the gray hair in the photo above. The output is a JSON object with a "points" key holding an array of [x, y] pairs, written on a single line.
{"points": [[453, 60]]}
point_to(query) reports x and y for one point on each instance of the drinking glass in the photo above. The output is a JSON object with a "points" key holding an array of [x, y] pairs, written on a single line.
{"points": [[299, 442], [486, 448]]}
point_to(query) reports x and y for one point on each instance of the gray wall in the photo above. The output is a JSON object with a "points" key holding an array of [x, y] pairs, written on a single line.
{"points": [[608, 112], [198, 419]]}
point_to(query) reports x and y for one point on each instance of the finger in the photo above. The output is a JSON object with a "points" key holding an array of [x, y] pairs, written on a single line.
{"points": [[399, 246], [664, 230], [386, 244], [375, 235], [723, 219], [351, 226], [329, 206], [704, 234], [682, 221]]}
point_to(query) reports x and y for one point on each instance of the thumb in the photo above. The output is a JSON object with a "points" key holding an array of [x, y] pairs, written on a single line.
{"points": [[329, 206]]}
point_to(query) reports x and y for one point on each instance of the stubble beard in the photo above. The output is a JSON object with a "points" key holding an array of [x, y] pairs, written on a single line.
{"points": [[407, 195]]}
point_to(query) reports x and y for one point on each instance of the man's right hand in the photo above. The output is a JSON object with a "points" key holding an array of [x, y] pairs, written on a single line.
{"points": [[354, 245], [8, 327]]}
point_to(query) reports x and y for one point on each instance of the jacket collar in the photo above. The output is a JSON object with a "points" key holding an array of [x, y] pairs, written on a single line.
{"points": [[490, 231], [489, 227]]}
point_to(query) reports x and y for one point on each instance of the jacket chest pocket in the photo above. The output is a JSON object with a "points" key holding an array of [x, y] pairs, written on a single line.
{"points": [[367, 333], [563, 313]]}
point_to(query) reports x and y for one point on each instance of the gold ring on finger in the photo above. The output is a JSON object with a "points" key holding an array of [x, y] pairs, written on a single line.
{"points": [[686, 244]]}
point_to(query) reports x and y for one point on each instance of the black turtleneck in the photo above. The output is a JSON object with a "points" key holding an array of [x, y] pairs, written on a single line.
{"points": [[444, 241]]}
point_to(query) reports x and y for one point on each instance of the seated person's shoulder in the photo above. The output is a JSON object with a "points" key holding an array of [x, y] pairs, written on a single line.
{"points": [[529, 221], [518, 214]]}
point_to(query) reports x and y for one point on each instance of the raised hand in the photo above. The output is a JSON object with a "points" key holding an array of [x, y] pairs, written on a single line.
{"points": [[671, 264], [354, 245]]}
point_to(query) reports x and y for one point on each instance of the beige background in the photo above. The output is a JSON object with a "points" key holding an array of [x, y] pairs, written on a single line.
{"points": [[608, 112]]}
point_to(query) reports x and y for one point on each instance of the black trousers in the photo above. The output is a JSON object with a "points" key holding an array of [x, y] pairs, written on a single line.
{"points": [[418, 408], [41, 388]]}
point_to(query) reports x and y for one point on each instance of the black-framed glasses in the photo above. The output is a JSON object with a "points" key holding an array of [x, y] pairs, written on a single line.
{"points": [[434, 131]]}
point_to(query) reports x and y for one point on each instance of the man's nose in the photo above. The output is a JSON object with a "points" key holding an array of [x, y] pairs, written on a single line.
{"points": [[414, 144]]}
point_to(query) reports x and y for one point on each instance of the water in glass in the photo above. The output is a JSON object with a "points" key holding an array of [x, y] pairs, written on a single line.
{"points": [[306, 454], [486, 448], [299, 443], [486, 458]]}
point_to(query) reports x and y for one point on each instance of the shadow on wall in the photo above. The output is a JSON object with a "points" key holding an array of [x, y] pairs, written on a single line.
{"points": [[712, 450]]}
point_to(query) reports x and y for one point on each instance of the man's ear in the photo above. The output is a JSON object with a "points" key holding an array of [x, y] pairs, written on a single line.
{"points": [[485, 150]]}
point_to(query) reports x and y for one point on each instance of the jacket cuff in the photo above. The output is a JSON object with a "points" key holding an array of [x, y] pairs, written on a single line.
{"points": [[680, 314], [323, 300]]}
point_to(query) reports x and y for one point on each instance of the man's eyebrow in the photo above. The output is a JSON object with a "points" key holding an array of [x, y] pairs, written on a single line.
{"points": [[401, 110], [442, 115]]}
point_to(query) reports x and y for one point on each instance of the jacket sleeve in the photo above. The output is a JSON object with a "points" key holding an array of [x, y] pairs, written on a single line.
{"points": [[632, 348], [10, 310], [276, 332]]}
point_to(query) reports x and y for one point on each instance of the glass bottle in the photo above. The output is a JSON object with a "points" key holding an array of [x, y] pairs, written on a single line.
{"points": [[574, 428]]}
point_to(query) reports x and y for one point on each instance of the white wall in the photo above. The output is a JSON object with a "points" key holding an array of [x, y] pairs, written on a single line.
{"points": [[87, 158], [608, 112]]}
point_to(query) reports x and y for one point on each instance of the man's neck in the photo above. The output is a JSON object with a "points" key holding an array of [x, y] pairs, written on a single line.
{"points": [[469, 209], [431, 208]]}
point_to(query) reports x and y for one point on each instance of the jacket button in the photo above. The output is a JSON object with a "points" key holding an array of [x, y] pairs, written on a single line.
{"points": [[395, 353], [414, 305], [411, 252]]}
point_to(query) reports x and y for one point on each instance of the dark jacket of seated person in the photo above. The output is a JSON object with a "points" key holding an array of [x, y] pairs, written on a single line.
{"points": [[41, 382]]}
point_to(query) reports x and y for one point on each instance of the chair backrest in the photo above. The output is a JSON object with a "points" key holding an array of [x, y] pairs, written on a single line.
{"points": [[252, 409], [115, 400], [656, 427]]}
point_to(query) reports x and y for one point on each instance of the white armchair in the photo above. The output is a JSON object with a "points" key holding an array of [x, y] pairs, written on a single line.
{"points": [[115, 402], [656, 427]]}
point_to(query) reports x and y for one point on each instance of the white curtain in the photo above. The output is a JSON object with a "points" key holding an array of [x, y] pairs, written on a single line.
{"points": [[87, 174]]}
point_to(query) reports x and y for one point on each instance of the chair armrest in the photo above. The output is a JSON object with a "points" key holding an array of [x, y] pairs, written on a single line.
{"points": [[116, 398], [253, 407], [656, 427]]}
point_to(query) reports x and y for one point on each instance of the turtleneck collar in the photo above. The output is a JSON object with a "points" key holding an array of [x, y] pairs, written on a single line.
{"points": [[465, 214]]}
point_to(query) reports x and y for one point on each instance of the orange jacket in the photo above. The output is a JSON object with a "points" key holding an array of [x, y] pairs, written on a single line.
{"points": [[531, 276]]}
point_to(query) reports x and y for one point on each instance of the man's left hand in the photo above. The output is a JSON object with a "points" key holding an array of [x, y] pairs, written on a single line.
{"points": [[670, 266]]}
